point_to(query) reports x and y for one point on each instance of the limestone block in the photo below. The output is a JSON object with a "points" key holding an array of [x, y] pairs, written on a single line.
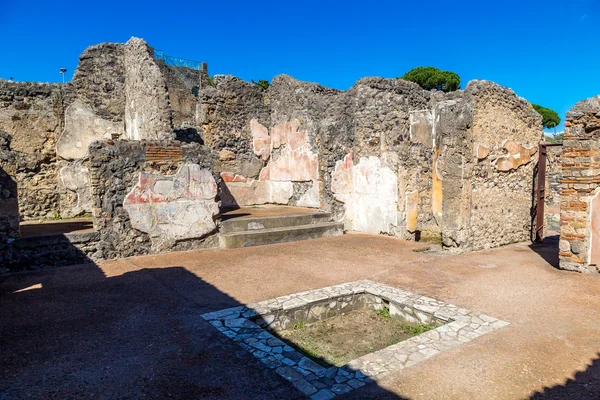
{"points": [[177, 207], [82, 127], [412, 210]]}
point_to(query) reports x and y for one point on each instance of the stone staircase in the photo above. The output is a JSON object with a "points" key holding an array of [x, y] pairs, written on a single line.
{"points": [[255, 231]]}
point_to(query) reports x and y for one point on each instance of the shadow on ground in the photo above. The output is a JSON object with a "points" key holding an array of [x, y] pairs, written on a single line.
{"points": [[585, 386], [547, 249], [72, 333]]}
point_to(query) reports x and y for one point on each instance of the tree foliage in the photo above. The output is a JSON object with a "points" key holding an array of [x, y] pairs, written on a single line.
{"points": [[433, 78], [550, 118], [263, 84]]}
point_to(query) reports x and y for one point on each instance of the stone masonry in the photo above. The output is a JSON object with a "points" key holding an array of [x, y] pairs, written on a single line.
{"points": [[254, 328], [384, 157], [152, 196], [580, 204]]}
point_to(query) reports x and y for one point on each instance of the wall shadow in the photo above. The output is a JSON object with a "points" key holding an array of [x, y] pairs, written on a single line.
{"points": [[548, 249], [76, 332], [58, 227], [585, 386]]}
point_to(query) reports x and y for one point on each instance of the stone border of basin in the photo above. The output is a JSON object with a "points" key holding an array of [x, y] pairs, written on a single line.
{"points": [[250, 326]]}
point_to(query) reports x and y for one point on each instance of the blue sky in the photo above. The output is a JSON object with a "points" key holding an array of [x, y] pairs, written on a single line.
{"points": [[547, 51]]}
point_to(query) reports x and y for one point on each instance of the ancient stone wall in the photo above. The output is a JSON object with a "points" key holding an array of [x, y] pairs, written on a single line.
{"points": [[384, 157], [226, 112], [498, 156], [147, 111], [152, 197], [580, 202], [378, 155], [30, 120], [9, 207], [183, 85], [553, 188]]}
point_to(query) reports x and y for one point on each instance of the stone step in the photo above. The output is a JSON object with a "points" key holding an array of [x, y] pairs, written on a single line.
{"points": [[281, 234], [273, 221]]}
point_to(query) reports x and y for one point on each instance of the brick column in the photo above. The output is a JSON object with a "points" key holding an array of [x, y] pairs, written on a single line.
{"points": [[580, 233]]}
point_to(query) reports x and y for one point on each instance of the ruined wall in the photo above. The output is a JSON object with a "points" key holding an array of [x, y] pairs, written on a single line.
{"points": [[225, 115], [115, 88], [553, 188], [505, 134], [490, 142], [97, 111], [580, 203], [147, 111], [9, 206], [152, 197], [183, 85], [393, 129], [377, 155], [31, 118]]}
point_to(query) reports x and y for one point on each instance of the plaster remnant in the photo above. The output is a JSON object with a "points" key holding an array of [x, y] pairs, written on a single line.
{"points": [[177, 207], [82, 127], [255, 192], [75, 178], [412, 210], [517, 155], [370, 193], [261, 142]]}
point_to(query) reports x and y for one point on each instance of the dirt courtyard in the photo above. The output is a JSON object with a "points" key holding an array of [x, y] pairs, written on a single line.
{"points": [[132, 328]]}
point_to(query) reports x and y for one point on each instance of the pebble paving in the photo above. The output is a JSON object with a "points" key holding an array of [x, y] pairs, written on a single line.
{"points": [[317, 382]]}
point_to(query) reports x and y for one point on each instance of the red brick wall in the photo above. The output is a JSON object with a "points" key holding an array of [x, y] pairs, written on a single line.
{"points": [[580, 180]]}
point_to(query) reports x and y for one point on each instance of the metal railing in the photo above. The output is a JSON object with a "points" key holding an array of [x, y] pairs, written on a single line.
{"points": [[176, 61]]}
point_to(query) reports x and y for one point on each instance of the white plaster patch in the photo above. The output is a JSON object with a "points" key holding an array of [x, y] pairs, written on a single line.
{"points": [[82, 127], [369, 192]]}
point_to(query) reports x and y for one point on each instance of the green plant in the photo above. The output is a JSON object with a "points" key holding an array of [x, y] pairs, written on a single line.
{"points": [[550, 118], [417, 329], [54, 218], [211, 81], [433, 78], [263, 84], [300, 325], [384, 312]]}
